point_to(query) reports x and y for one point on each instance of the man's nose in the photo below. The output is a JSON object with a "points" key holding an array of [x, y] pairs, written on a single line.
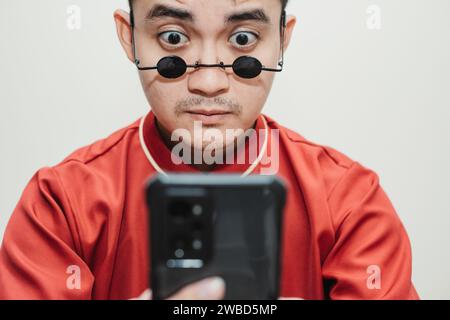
{"points": [[208, 81]]}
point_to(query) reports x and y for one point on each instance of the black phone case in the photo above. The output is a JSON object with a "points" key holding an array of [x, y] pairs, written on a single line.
{"points": [[245, 216]]}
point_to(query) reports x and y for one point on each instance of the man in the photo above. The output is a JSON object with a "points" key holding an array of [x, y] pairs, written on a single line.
{"points": [[79, 230]]}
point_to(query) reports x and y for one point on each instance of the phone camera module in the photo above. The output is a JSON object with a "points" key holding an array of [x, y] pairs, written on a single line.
{"points": [[179, 210]]}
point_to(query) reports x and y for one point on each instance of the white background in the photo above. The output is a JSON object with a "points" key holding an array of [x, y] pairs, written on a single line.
{"points": [[380, 96]]}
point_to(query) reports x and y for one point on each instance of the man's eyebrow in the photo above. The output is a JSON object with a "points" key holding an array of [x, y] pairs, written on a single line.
{"points": [[161, 11], [257, 15]]}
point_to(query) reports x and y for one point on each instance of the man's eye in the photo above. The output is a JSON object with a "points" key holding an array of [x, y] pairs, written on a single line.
{"points": [[173, 38], [243, 39]]}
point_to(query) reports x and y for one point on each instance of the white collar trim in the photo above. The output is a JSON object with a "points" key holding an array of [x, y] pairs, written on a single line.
{"points": [[161, 171]]}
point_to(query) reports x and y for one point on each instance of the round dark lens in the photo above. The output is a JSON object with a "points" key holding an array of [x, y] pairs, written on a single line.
{"points": [[247, 67], [172, 67]]}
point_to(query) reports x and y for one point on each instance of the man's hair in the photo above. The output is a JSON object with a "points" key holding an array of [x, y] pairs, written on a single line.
{"points": [[283, 3]]}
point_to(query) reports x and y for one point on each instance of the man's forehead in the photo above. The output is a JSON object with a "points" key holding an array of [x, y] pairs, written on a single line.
{"points": [[230, 11], [234, 3]]}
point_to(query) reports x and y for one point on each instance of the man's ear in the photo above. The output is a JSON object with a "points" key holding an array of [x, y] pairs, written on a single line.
{"points": [[291, 21], [123, 27]]}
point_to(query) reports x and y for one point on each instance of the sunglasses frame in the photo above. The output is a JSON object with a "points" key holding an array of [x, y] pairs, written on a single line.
{"points": [[197, 64]]}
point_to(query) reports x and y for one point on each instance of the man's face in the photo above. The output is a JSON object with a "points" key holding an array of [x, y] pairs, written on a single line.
{"points": [[209, 32]]}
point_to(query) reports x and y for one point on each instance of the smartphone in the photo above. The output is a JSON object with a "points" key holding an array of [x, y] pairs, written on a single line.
{"points": [[225, 225]]}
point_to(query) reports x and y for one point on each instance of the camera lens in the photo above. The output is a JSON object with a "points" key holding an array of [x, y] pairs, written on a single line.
{"points": [[197, 244], [179, 253], [179, 246], [197, 209]]}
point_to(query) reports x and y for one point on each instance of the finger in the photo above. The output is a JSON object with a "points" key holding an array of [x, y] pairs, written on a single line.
{"points": [[146, 295], [289, 298], [207, 289]]}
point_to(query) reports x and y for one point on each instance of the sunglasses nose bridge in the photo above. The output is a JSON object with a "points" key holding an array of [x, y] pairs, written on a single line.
{"points": [[197, 66]]}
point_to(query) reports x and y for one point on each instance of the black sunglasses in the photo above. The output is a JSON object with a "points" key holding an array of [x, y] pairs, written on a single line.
{"points": [[246, 67], [173, 67]]}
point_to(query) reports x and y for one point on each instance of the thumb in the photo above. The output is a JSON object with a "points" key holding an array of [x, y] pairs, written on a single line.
{"points": [[206, 289], [146, 295]]}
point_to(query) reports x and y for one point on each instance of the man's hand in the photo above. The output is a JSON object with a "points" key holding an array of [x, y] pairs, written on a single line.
{"points": [[206, 289]]}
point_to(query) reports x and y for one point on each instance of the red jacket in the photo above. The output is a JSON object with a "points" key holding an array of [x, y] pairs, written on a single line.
{"points": [[86, 217]]}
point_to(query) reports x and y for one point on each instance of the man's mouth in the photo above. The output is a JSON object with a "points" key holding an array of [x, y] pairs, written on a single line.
{"points": [[209, 117], [209, 112]]}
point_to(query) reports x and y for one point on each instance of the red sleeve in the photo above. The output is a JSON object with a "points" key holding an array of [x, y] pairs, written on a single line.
{"points": [[40, 258], [371, 258]]}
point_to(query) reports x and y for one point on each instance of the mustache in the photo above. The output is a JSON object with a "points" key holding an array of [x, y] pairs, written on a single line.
{"points": [[188, 104]]}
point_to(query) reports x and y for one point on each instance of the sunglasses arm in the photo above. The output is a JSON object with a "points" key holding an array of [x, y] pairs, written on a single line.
{"points": [[282, 39], [272, 70], [137, 62]]}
